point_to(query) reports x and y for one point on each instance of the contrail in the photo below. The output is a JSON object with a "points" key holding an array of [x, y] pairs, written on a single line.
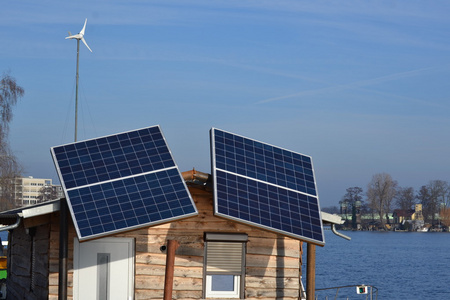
{"points": [[353, 85]]}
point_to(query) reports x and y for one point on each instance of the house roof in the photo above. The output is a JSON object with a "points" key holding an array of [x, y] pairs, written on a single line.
{"points": [[404, 212], [32, 210]]}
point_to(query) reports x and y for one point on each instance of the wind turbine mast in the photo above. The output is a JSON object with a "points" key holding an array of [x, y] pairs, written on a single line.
{"points": [[63, 218], [78, 37]]}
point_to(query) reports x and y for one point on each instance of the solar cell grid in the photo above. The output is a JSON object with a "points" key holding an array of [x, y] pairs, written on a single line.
{"points": [[265, 186], [264, 162], [130, 202], [268, 205], [121, 182], [113, 157]]}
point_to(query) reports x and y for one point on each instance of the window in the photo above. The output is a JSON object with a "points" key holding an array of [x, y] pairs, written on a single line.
{"points": [[223, 286], [224, 265]]}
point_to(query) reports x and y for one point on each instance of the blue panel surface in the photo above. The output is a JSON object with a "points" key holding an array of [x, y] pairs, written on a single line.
{"points": [[121, 182], [265, 186]]}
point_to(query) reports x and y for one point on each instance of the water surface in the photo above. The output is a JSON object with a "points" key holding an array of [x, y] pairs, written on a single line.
{"points": [[402, 265]]}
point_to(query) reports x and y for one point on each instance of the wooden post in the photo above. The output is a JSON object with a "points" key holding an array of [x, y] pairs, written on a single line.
{"points": [[310, 271], [172, 246]]}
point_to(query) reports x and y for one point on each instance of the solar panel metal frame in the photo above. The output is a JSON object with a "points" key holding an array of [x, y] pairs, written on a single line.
{"points": [[218, 174], [168, 177]]}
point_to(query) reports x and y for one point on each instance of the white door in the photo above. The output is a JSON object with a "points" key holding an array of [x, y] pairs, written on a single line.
{"points": [[104, 269]]}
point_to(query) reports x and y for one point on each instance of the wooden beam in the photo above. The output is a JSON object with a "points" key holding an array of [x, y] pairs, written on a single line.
{"points": [[310, 271], [36, 221], [172, 246], [63, 249]]}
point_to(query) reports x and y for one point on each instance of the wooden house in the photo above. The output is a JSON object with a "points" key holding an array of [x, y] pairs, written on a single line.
{"points": [[214, 258], [401, 215]]}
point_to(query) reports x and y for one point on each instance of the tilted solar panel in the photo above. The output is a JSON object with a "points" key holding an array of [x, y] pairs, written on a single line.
{"points": [[121, 182], [265, 186]]}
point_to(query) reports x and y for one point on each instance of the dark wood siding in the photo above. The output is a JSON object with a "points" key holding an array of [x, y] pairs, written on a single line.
{"points": [[28, 276]]}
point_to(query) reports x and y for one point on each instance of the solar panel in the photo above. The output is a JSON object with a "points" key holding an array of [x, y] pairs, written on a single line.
{"points": [[121, 182], [265, 186]]}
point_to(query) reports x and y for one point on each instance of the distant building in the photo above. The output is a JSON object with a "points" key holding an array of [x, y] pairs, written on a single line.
{"points": [[59, 191], [418, 215], [402, 215], [417, 218], [29, 191]]}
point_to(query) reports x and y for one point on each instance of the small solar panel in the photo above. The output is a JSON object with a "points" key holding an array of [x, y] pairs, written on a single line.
{"points": [[265, 186], [121, 182]]}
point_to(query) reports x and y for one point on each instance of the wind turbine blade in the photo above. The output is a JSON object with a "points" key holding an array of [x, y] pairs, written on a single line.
{"points": [[75, 36], [86, 43], [84, 27]]}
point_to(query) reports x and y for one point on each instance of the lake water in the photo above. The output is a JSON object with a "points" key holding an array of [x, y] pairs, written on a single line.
{"points": [[402, 265]]}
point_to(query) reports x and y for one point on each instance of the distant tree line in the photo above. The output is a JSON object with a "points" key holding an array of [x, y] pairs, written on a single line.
{"points": [[383, 195]]}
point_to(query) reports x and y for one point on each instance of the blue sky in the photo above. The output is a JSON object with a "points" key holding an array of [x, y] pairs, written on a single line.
{"points": [[361, 86]]}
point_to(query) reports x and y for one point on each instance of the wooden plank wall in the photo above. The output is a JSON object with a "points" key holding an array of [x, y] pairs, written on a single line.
{"points": [[273, 261]]}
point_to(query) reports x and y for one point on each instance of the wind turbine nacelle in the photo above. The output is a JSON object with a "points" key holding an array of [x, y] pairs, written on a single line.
{"points": [[80, 36]]}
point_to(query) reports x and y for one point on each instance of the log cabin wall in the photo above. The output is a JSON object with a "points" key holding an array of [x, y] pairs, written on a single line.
{"points": [[272, 260]]}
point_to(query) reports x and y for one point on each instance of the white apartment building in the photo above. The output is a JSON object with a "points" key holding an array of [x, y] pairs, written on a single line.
{"points": [[28, 191]]}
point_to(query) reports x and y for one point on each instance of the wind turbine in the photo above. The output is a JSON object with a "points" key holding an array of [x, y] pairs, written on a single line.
{"points": [[78, 37], [63, 219]]}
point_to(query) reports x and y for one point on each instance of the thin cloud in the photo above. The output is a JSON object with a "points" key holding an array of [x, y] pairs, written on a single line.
{"points": [[357, 85]]}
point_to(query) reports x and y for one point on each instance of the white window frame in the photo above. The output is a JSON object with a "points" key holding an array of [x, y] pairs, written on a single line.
{"points": [[239, 277], [223, 294]]}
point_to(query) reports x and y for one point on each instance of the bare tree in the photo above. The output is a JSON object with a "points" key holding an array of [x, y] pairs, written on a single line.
{"points": [[405, 198], [9, 170], [352, 202], [433, 197], [380, 193], [47, 193], [424, 198], [353, 195], [10, 93]]}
